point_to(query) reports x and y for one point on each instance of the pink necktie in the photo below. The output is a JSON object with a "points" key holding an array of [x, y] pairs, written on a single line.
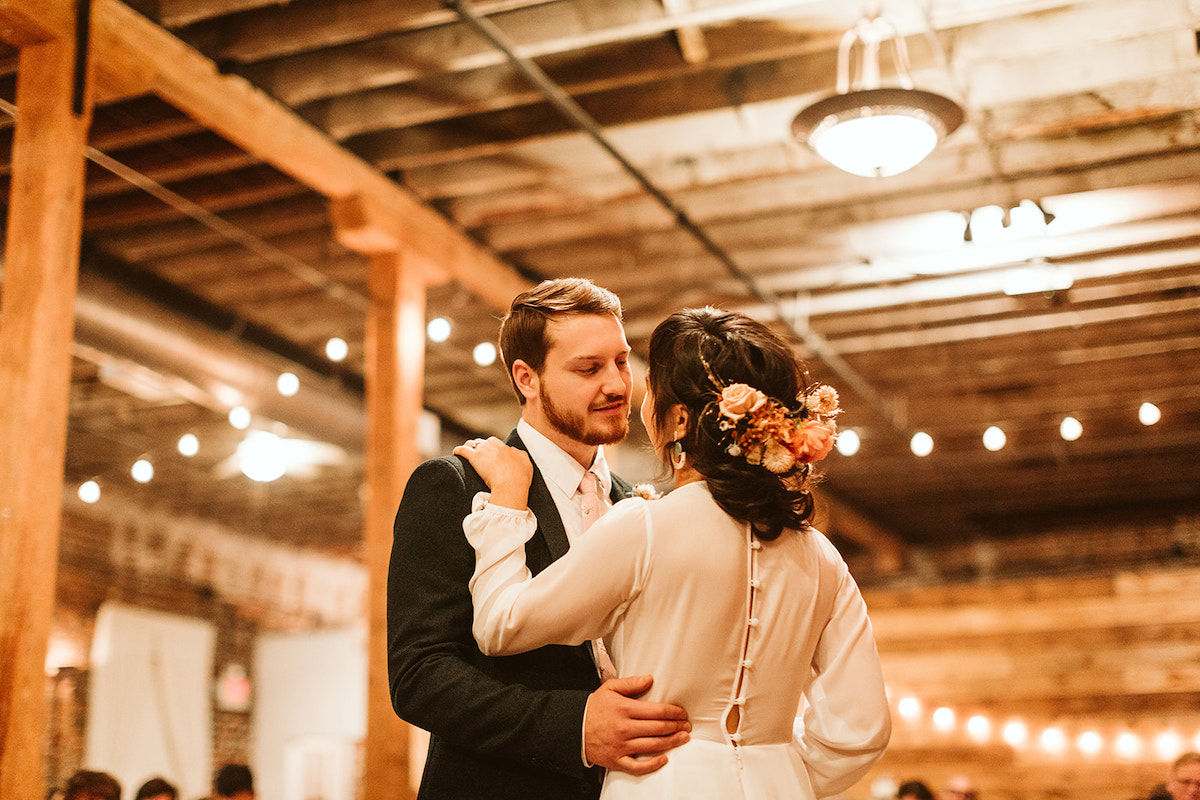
{"points": [[589, 488], [592, 509]]}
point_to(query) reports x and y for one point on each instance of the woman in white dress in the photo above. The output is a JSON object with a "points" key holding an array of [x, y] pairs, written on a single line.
{"points": [[743, 613]]}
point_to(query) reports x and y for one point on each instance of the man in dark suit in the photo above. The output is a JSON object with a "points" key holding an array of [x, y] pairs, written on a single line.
{"points": [[536, 726]]}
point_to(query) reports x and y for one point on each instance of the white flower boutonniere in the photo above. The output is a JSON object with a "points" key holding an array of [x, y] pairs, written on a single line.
{"points": [[646, 491]]}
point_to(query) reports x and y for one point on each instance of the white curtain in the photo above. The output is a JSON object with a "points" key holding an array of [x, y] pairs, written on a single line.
{"points": [[149, 699], [310, 713]]}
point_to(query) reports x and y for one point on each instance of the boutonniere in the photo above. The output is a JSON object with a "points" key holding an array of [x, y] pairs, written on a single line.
{"points": [[646, 491]]}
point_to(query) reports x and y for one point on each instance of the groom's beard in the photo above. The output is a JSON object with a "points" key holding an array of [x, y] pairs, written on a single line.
{"points": [[585, 430]]}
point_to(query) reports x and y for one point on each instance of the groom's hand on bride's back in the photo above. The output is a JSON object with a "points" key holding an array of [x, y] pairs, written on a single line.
{"points": [[625, 734]]}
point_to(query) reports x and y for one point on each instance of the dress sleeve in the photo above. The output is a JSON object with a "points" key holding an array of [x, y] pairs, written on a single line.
{"points": [[846, 723], [578, 597]]}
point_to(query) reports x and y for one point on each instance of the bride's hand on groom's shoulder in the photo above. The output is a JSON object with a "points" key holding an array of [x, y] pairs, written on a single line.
{"points": [[506, 470]]}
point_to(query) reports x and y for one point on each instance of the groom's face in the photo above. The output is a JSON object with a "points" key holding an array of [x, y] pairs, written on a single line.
{"points": [[585, 384]]}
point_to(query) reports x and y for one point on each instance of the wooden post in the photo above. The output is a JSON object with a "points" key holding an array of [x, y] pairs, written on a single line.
{"points": [[395, 356], [36, 326]]}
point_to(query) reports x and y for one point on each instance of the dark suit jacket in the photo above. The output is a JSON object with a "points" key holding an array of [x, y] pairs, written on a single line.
{"points": [[505, 727]]}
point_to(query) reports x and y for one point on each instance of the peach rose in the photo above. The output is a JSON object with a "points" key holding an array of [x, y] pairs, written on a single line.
{"points": [[738, 400], [812, 441]]}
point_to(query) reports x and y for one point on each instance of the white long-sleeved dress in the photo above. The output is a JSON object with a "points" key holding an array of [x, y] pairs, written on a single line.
{"points": [[745, 635]]}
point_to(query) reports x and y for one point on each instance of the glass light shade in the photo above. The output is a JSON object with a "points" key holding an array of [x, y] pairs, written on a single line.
{"points": [[877, 133]]}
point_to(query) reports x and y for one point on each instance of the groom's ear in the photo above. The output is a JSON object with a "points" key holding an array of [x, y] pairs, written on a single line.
{"points": [[526, 379]]}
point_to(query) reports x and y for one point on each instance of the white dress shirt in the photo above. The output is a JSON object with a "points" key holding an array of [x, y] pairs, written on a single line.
{"points": [[563, 473]]}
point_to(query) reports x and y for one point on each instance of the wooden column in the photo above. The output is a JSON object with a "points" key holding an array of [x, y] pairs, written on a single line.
{"points": [[395, 370], [36, 325]]}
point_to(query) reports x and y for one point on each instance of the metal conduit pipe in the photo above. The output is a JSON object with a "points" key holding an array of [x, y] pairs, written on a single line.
{"points": [[214, 369]]}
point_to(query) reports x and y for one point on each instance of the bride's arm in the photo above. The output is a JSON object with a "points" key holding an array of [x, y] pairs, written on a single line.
{"points": [[578, 597], [846, 724]]}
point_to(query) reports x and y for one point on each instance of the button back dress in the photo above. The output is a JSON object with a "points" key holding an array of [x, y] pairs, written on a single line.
{"points": [[767, 645]]}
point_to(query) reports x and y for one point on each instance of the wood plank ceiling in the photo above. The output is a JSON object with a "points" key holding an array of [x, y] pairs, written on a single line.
{"points": [[1089, 108]]}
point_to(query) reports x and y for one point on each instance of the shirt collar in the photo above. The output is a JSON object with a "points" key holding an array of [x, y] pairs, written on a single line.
{"points": [[557, 466]]}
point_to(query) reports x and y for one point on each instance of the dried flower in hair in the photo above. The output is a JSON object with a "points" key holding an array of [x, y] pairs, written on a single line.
{"points": [[823, 401], [777, 457]]}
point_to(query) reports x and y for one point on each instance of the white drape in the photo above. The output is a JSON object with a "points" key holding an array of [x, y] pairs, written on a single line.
{"points": [[149, 706], [310, 713]]}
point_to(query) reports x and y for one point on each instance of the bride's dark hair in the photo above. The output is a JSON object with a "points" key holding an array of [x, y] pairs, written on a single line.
{"points": [[737, 349]]}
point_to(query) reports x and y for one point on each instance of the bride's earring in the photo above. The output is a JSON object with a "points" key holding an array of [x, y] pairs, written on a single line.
{"points": [[678, 457]]}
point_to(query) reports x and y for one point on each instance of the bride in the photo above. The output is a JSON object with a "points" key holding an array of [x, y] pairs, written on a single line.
{"points": [[744, 614]]}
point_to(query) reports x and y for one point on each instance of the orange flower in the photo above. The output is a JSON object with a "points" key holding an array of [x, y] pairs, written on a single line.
{"points": [[812, 441]]}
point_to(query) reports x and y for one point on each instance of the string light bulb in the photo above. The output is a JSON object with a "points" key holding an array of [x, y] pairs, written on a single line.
{"points": [[979, 728], [909, 707], [943, 718], [89, 492], [994, 438], [1070, 429], [188, 445], [1090, 743], [921, 444], [1015, 733]]}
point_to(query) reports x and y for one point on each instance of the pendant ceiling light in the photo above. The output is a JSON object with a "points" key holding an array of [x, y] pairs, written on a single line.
{"points": [[872, 131]]}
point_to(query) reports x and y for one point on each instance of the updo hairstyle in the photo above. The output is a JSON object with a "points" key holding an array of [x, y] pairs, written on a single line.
{"points": [[737, 349]]}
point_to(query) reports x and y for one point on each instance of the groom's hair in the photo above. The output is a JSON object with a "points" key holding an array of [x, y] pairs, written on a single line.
{"points": [[523, 331]]}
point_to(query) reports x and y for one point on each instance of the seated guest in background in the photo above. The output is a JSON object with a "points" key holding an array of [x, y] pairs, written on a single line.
{"points": [[89, 784], [960, 787], [914, 790], [1184, 780], [233, 782], [156, 789]]}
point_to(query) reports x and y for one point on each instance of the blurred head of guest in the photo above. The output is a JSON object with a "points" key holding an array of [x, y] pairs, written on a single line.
{"points": [[914, 790], [234, 782], [89, 784], [960, 787], [157, 789], [1184, 781]]}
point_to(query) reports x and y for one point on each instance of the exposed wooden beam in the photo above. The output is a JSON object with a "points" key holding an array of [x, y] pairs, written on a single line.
{"points": [[169, 239], [272, 31], [36, 322], [1039, 606], [690, 37], [23, 23], [538, 31], [430, 98], [177, 13], [134, 56], [783, 196]]}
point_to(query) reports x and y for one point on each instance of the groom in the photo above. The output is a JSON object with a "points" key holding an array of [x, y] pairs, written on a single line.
{"points": [[530, 726]]}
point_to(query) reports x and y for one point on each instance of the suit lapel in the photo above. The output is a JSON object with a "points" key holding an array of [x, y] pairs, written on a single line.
{"points": [[543, 507], [620, 490]]}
